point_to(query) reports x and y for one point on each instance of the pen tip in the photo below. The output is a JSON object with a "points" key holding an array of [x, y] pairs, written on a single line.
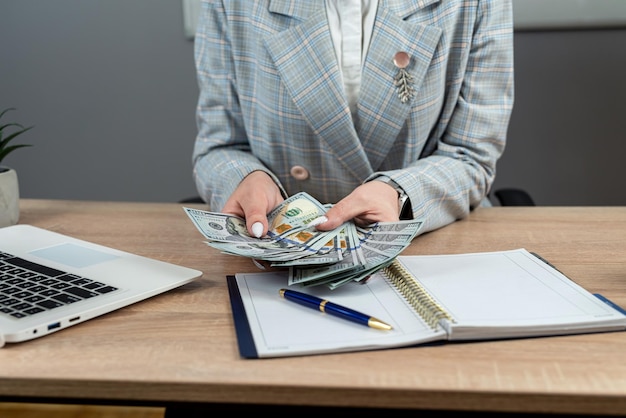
{"points": [[378, 324]]}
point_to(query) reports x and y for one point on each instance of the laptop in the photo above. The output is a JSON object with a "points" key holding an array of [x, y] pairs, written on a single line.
{"points": [[50, 281]]}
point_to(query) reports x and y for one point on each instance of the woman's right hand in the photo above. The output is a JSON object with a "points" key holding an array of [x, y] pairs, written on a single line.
{"points": [[253, 199]]}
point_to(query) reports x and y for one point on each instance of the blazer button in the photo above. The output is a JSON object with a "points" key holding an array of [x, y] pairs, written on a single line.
{"points": [[299, 173]]}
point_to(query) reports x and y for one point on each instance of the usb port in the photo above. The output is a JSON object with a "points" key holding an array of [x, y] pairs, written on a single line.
{"points": [[54, 326]]}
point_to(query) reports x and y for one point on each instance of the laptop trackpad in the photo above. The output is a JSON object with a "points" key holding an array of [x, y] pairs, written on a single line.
{"points": [[74, 255]]}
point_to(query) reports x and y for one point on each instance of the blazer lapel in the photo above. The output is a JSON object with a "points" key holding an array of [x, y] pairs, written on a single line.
{"points": [[381, 113], [305, 58]]}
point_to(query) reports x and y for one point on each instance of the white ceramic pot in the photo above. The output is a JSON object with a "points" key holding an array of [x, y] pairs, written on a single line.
{"points": [[9, 197]]}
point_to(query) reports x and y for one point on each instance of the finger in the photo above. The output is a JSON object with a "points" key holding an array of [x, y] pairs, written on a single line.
{"points": [[232, 207], [256, 221], [337, 215], [252, 211]]}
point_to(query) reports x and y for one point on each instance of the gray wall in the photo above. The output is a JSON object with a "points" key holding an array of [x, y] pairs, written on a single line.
{"points": [[110, 87], [567, 136]]}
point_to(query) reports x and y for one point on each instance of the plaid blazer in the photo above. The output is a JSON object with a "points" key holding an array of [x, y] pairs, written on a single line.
{"points": [[272, 99]]}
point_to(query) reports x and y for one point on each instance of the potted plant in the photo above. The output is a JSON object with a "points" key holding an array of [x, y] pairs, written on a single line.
{"points": [[9, 190]]}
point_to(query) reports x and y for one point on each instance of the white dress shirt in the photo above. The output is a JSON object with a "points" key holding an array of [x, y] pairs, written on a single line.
{"points": [[351, 23]]}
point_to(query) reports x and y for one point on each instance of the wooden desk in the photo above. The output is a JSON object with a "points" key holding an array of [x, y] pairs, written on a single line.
{"points": [[181, 346]]}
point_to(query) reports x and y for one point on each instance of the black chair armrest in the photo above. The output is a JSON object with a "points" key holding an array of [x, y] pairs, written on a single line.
{"points": [[194, 199], [514, 197]]}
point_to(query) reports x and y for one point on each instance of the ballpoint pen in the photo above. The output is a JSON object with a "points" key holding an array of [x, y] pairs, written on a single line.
{"points": [[333, 309]]}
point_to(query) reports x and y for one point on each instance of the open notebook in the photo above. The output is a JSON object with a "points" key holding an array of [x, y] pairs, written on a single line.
{"points": [[50, 281], [476, 296]]}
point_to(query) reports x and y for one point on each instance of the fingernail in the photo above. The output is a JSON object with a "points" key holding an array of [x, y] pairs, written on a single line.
{"points": [[257, 229], [318, 220]]}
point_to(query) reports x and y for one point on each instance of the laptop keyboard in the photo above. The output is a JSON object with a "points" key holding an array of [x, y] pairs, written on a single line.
{"points": [[28, 288]]}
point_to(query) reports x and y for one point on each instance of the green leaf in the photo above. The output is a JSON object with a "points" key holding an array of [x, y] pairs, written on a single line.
{"points": [[6, 110], [4, 151], [5, 148]]}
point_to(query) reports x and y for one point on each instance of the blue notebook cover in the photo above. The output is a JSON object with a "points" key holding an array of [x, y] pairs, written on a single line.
{"points": [[247, 349]]}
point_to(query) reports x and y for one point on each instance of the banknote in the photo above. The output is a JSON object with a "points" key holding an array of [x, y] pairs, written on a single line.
{"points": [[293, 216], [256, 251], [333, 258], [375, 261], [219, 226]]}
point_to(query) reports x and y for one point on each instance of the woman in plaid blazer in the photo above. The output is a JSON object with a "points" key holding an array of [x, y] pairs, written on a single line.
{"points": [[284, 107]]}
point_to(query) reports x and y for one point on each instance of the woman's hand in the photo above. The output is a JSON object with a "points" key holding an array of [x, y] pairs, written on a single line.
{"points": [[253, 199], [374, 201]]}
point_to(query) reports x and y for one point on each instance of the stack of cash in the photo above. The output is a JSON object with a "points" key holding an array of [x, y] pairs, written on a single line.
{"points": [[347, 253]]}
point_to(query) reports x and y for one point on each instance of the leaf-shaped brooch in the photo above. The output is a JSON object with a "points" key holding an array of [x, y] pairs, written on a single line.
{"points": [[403, 80]]}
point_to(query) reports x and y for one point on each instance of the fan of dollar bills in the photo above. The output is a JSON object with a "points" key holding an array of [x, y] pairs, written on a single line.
{"points": [[313, 257]]}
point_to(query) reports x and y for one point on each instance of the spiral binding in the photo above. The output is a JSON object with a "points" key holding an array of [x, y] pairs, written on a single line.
{"points": [[418, 297]]}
